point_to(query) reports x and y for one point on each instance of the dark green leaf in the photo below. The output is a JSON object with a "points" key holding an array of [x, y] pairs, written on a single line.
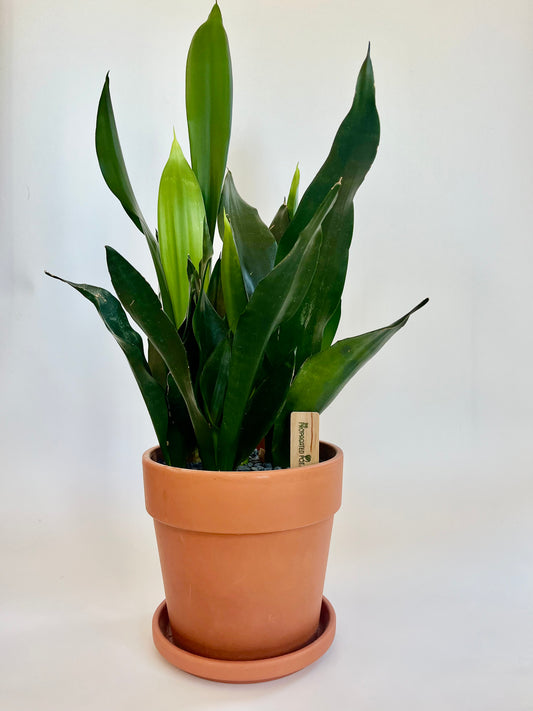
{"points": [[157, 366], [255, 243], [276, 298], [209, 329], [263, 408], [350, 158], [181, 439], [214, 380], [280, 222], [331, 328], [142, 304], [113, 316], [209, 96], [214, 290], [113, 169], [352, 153], [323, 376], [235, 298]]}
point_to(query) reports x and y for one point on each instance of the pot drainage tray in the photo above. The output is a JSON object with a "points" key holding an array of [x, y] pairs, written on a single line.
{"points": [[238, 672]]}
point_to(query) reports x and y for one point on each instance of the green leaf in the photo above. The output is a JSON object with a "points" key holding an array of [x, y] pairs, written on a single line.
{"points": [[181, 439], [116, 321], [157, 366], [255, 243], [263, 407], [142, 304], [235, 298], [209, 329], [331, 328], [209, 97], [292, 200], [180, 219], [323, 376], [280, 222], [214, 380], [276, 298], [214, 290], [352, 153], [113, 169]]}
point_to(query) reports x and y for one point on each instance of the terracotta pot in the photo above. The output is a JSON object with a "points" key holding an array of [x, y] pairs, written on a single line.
{"points": [[243, 554]]}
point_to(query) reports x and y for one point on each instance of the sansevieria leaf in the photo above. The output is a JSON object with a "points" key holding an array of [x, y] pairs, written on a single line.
{"points": [[323, 375], [209, 328], [116, 321], [280, 222], [111, 161], [235, 299], [276, 298], [352, 153], [209, 97], [256, 246], [292, 200], [142, 304], [180, 219]]}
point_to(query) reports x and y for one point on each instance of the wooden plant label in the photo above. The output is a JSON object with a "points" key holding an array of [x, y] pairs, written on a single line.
{"points": [[304, 439]]}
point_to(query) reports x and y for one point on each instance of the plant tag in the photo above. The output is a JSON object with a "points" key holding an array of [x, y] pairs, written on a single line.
{"points": [[304, 439]]}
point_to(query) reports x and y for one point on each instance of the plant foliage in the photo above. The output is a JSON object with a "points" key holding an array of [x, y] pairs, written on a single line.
{"points": [[234, 346]]}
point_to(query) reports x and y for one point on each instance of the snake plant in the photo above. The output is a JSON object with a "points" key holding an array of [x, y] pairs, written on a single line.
{"points": [[234, 344]]}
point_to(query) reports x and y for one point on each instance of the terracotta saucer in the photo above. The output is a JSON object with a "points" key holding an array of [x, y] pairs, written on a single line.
{"points": [[249, 671]]}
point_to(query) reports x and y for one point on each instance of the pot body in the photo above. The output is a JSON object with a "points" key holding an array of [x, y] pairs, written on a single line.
{"points": [[243, 554]]}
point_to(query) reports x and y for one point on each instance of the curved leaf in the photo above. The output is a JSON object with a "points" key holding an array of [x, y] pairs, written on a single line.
{"points": [[255, 243], [209, 329], [180, 219], [331, 328], [113, 169], [276, 299], [263, 408], [235, 299], [116, 322], [142, 304], [323, 376], [209, 97], [352, 153], [280, 222], [292, 200], [214, 380]]}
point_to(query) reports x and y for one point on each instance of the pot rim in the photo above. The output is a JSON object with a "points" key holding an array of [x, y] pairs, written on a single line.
{"points": [[243, 502]]}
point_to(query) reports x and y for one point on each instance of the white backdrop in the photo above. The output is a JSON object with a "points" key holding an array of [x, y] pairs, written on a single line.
{"points": [[430, 568]]}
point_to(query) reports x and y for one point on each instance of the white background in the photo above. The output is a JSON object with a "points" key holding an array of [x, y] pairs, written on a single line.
{"points": [[431, 561]]}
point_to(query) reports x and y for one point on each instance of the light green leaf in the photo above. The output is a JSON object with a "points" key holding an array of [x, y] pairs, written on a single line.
{"points": [[180, 218], [292, 200]]}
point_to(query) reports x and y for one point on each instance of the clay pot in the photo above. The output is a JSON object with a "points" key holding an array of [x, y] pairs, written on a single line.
{"points": [[243, 554]]}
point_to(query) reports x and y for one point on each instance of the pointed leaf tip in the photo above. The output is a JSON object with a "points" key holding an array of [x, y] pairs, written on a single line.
{"points": [[215, 13]]}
